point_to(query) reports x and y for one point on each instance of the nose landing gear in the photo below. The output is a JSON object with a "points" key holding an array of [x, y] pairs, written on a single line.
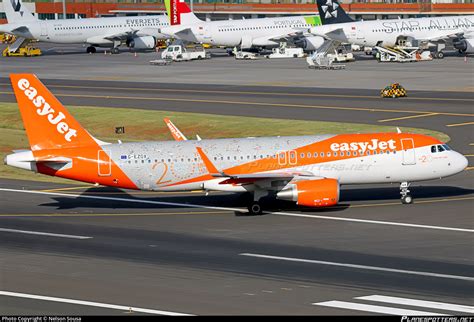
{"points": [[405, 193]]}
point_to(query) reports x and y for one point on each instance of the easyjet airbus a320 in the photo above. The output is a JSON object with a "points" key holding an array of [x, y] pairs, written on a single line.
{"points": [[305, 169]]}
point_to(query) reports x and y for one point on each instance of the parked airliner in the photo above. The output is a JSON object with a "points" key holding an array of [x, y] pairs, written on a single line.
{"points": [[307, 170], [243, 33], [336, 25], [135, 32]]}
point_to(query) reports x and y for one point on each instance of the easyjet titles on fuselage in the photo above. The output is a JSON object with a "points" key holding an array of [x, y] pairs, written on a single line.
{"points": [[374, 144]]}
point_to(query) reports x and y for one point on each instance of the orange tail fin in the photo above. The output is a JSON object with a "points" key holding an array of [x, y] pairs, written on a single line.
{"points": [[47, 123]]}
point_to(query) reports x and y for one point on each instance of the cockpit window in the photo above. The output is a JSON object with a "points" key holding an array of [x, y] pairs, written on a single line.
{"points": [[433, 149], [440, 148], [446, 147]]}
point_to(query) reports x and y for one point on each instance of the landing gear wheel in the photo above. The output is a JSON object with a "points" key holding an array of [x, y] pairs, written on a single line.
{"points": [[91, 50], [115, 51], [255, 209], [406, 200], [439, 55], [405, 193]]}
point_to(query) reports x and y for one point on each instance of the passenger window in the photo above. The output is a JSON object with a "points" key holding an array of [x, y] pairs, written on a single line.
{"points": [[433, 149], [322, 154]]}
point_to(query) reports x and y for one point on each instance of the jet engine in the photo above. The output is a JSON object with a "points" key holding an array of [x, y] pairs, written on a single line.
{"points": [[246, 42], [310, 43], [145, 42], [464, 45], [312, 193]]}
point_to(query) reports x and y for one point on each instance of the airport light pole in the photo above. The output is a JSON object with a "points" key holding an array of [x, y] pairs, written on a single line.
{"points": [[64, 9]]}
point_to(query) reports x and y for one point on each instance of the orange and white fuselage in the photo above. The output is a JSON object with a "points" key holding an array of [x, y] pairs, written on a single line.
{"points": [[305, 169]]}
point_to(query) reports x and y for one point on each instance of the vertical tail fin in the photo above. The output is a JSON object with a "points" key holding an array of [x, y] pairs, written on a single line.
{"points": [[47, 123], [16, 11], [179, 13], [330, 11]]}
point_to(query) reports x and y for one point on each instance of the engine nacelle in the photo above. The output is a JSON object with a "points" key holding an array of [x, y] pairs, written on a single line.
{"points": [[145, 42], [246, 42], [464, 45], [310, 43], [312, 193]]}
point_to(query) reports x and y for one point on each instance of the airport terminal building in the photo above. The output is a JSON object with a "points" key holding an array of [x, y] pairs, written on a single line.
{"points": [[237, 9]]}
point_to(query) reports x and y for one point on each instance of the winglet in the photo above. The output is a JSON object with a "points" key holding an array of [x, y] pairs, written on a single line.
{"points": [[398, 130], [177, 135], [209, 165]]}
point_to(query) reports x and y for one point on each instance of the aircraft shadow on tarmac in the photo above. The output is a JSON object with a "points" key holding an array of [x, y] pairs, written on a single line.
{"points": [[235, 200]]}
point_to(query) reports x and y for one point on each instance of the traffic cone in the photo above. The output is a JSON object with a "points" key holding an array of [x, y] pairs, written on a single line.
{"points": [[465, 58], [135, 54]]}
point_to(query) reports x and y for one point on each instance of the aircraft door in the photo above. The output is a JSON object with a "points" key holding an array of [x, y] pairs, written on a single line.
{"points": [[408, 152], [44, 29], [104, 164]]}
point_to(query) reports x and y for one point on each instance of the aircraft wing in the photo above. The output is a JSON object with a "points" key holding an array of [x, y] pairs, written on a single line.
{"points": [[336, 34], [175, 132], [251, 177], [121, 36], [287, 36], [438, 37]]}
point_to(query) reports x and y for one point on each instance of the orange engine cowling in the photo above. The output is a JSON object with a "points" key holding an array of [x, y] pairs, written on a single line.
{"points": [[312, 193]]}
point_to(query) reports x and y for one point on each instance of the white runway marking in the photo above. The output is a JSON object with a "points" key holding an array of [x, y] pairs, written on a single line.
{"points": [[42, 233], [152, 202], [366, 267], [374, 308], [377, 222], [419, 303], [88, 303]]}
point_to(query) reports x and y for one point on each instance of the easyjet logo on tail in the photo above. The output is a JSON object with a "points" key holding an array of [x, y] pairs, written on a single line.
{"points": [[374, 144], [45, 110]]}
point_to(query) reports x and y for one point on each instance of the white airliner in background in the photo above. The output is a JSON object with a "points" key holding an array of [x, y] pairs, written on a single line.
{"points": [[135, 32], [244, 33], [391, 32]]}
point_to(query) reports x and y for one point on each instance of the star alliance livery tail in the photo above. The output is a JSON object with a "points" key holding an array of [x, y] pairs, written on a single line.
{"points": [[330, 11], [16, 11], [179, 13]]}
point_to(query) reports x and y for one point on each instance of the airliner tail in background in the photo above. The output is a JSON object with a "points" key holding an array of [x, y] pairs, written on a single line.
{"points": [[180, 13], [17, 12]]}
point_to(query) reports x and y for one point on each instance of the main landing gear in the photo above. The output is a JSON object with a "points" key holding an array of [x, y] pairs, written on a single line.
{"points": [[405, 193], [255, 207], [91, 50]]}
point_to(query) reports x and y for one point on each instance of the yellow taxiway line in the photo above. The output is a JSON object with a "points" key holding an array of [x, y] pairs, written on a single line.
{"points": [[460, 124], [243, 92], [360, 109], [227, 212], [408, 117], [120, 214]]}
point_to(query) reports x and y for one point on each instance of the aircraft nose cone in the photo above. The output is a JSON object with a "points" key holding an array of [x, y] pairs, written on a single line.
{"points": [[460, 162], [463, 162]]}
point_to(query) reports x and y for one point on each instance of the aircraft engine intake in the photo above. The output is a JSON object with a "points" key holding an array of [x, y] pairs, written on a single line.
{"points": [[145, 42], [310, 43], [464, 45], [312, 193]]}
